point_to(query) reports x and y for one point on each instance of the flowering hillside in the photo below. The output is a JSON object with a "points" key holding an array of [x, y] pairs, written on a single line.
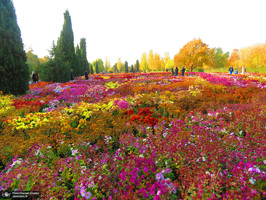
{"points": [[137, 136]]}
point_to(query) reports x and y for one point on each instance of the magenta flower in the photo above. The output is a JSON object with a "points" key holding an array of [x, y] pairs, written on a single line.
{"points": [[123, 104], [133, 179], [146, 169], [157, 197], [152, 190]]}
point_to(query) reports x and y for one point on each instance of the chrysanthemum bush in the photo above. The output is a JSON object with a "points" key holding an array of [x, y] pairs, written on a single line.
{"points": [[137, 136]]}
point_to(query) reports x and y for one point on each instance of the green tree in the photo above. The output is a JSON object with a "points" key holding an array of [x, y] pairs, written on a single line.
{"points": [[83, 50], [114, 68], [100, 65], [137, 66], [79, 59], [65, 45], [91, 70], [96, 68], [220, 58], [131, 68], [126, 66], [14, 72], [55, 70], [33, 61]]}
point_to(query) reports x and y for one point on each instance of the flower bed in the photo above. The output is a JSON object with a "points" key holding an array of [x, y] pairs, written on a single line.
{"points": [[137, 136]]}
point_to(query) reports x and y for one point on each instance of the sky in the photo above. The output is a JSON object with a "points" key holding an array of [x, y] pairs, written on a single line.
{"points": [[127, 28]]}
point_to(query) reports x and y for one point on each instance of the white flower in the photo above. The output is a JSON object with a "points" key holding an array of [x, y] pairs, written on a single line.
{"points": [[250, 169], [74, 152], [252, 180], [19, 175], [203, 159], [141, 156]]}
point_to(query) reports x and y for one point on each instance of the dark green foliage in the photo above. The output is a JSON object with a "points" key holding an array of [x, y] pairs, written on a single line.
{"points": [[65, 46], [83, 61], [126, 67], [55, 70], [137, 66], [91, 71], [114, 68], [79, 63], [132, 68], [96, 68], [14, 72]]}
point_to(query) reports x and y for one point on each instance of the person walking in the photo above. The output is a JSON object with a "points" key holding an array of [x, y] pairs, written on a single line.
{"points": [[172, 70], [34, 77], [183, 71], [231, 69], [37, 76], [86, 75], [176, 71]]}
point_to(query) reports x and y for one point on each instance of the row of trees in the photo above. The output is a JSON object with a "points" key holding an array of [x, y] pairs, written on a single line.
{"points": [[64, 56], [250, 57], [197, 55], [194, 55]]}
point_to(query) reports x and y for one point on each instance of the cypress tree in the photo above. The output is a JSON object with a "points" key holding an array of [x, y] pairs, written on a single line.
{"points": [[91, 69], [79, 61], [131, 69], [83, 51], [96, 68], [65, 45], [126, 67], [14, 72], [137, 66]]}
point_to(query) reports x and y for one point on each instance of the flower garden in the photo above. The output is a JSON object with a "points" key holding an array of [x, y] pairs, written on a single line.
{"points": [[137, 136]]}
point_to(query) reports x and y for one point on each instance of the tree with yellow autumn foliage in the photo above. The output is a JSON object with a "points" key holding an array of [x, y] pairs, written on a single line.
{"points": [[253, 56], [194, 54], [234, 59]]}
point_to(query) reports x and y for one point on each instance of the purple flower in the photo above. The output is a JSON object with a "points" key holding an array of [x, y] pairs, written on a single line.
{"points": [[82, 192], [152, 190], [167, 170], [123, 104], [159, 176], [133, 179], [157, 197], [88, 195], [146, 169]]}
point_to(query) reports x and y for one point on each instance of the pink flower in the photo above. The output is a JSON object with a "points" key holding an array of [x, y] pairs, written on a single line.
{"points": [[132, 179], [159, 176], [123, 104], [146, 169]]}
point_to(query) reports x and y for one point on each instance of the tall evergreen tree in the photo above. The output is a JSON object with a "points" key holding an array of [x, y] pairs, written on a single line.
{"points": [[14, 72], [65, 45], [137, 66], [83, 51], [91, 69], [126, 67], [79, 61], [132, 68], [96, 68]]}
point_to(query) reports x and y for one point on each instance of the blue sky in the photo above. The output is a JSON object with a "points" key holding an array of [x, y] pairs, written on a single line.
{"points": [[127, 29]]}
